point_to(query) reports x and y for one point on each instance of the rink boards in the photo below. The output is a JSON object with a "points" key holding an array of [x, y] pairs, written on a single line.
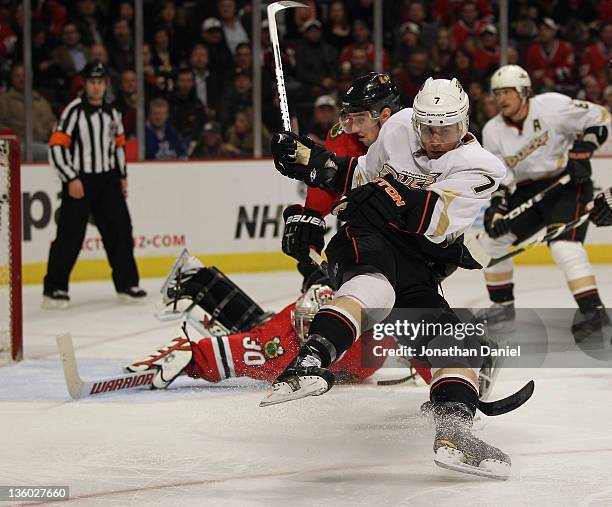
{"points": [[227, 212]]}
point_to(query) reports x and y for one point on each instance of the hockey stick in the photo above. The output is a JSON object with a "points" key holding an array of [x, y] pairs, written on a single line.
{"points": [[515, 212], [472, 243], [505, 405], [77, 388], [394, 382], [278, 64]]}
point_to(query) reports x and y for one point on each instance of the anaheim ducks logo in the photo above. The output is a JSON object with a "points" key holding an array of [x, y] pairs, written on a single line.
{"points": [[527, 150], [272, 349], [411, 180]]}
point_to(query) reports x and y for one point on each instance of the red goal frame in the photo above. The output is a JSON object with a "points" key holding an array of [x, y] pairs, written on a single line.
{"points": [[14, 195]]}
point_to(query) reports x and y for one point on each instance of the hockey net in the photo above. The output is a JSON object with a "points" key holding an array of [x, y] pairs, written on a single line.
{"points": [[10, 250]]}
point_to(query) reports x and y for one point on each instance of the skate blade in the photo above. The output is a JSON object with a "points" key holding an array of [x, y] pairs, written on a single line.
{"points": [[124, 299], [450, 459], [54, 304], [309, 386]]}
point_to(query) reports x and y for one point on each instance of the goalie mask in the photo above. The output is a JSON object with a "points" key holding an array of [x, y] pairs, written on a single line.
{"points": [[440, 115], [307, 306]]}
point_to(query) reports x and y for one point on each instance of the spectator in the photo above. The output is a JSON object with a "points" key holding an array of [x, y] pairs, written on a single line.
{"points": [[591, 91], [187, 113], [597, 55], [486, 56], [243, 58], [413, 75], [462, 68], [485, 109], [127, 102], [125, 10], [163, 59], [468, 26], [162, 141], [208, 87], [324, 116], [154, 84], [121, 46], [450, 10], [238, 97], [72, 55], [361, 39], [349, 71], [417, 14], [550, 61], [48, 76], [167, 19], [513, 56], [12, 114], [442, 53], [232, 27], [97, 54], [90, 22], [337, 31], [607, 94], [318, 61], [409, 40], [210, 144], [298, 17], [218, 52], [52, 15], [240, 138]]}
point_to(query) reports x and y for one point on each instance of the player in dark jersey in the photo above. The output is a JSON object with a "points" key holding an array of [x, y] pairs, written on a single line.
{"points": [[368, 103]]}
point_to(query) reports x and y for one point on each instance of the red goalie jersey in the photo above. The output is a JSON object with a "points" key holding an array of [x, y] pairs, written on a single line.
{"points": [[265, 351]]}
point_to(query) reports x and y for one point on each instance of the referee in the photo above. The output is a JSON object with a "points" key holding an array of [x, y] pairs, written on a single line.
{"points": [[87, 151]]}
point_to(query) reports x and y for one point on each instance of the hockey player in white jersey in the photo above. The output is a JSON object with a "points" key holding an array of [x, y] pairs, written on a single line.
{"points": [[540, 139], [408, 202]]}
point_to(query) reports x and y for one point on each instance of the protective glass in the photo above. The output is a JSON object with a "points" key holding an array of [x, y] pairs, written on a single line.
{"points": [[358, 122], [439, 134]]}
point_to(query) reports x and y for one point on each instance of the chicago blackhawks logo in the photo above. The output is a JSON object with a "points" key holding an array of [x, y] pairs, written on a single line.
{"points": [[272, 349]]}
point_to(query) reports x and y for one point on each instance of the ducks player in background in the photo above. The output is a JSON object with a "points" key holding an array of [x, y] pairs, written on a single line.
{"points": [[540, 138]]}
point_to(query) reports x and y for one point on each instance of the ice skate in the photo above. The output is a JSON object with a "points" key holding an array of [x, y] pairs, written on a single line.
{"points": [[303, 377], [132, 296], [498, 317], [592, 325], [456, 448], [55, 300], [168, 362]]}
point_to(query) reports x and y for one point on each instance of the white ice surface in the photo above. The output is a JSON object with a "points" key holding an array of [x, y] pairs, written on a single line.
{"points": [[200, 444]]}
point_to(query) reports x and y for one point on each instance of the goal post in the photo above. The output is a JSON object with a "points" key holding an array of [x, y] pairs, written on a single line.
{"points": [[11, 330]]}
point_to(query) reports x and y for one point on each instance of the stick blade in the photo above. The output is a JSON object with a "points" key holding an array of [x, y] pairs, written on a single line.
{"points": [[69, 365], [284, 4]]}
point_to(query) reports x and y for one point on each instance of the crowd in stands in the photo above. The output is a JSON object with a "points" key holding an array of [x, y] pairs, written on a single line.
{"points": [[198, 61]]}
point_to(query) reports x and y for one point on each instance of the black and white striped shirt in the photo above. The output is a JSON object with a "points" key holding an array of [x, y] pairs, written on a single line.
{"points": [[87, 140]]}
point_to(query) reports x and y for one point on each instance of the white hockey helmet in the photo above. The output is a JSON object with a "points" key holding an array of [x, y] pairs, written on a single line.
{"points": [[307, 306], [512, 76], [440, 103]]}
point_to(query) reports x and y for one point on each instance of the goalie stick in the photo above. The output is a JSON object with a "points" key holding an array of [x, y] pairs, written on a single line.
{"points": [[78, 388]]}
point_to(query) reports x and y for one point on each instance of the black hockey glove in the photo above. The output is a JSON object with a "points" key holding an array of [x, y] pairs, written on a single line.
{"points": [[579, 163], [300, 158], [601, 214], [387, 202], [304, 229], [494, 222]]}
